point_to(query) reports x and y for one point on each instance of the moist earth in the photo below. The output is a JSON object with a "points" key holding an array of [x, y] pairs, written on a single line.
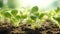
{"points": [[47, 28]]}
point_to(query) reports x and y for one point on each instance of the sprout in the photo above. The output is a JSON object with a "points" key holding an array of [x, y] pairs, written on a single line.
{"points": [[57, 21], [15, 18]]}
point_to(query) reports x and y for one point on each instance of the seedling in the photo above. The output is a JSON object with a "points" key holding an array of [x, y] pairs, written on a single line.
{"points": [[31, 16]]}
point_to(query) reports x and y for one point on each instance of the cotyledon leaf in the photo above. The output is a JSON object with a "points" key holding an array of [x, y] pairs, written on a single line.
{"points": [[14, 12], [6, 14], [18, 17], [33, 17], [34, 9], [41, 15]]}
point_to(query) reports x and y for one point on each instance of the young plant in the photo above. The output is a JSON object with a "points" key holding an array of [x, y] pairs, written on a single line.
{"points": [[15, 18], [57, 17], [12, 16], [36, 17], [54, 16]]}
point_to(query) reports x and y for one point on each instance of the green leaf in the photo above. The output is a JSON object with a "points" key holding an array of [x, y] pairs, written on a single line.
{"points": [[18, 17], [6, 14], [34, 9], [36, 14], [41, 15], [14, 12], [33, 17], [29, 21], [58, 9], [57, 19], [23, 16]]}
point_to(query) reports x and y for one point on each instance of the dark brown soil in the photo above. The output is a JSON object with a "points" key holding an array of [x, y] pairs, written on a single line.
{"points": [[5, 28], [47, 28]]}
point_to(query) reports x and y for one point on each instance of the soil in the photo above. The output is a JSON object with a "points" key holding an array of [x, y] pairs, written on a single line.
{"points": [[47, 28], [5, 28]]}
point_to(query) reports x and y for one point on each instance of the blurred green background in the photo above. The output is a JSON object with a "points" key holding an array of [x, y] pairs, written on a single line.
{"points": [[12, 4]]}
